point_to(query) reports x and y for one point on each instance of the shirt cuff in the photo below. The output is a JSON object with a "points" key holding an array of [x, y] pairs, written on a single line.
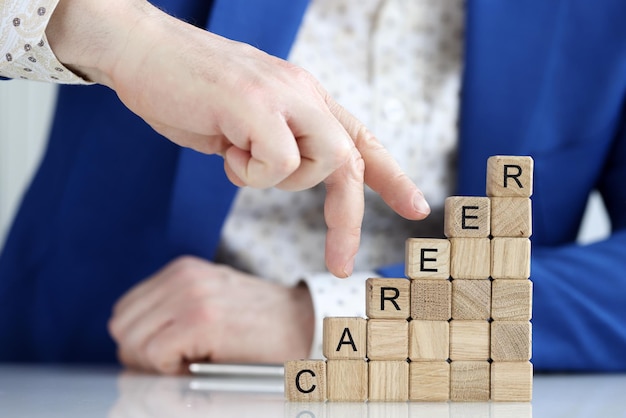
{"points": [[335, 297], [24, 49]]}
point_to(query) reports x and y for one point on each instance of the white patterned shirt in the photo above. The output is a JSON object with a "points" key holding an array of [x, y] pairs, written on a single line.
{"points": [[24, 49], [396, 65]]}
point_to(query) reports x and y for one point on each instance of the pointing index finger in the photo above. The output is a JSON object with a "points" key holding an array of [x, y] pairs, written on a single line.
{"points": [[382, 172], [343, 211]]}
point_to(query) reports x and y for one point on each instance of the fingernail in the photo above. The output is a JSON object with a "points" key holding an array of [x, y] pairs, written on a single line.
{"points": [[347, 269], [420, 204]]}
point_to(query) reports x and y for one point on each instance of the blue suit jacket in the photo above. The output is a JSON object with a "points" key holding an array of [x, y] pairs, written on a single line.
{"points": [[113, 202]]}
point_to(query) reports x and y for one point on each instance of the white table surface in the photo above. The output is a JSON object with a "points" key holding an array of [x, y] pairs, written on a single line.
{"points": [[44, 391]]}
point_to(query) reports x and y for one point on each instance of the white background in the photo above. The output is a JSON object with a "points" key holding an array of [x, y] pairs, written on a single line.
{"points": [[25, 113]]}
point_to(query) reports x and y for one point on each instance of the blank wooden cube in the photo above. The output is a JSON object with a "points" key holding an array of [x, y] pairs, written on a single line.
{"points": [[344, 338], [305, 380], [470, 258], [431, 299], [512, 381], [511, 217], [511, 300], [429, 381], [511, 341], [469, 340], [510, 176], [387, 339], [471, 299], [347, 380], [469, 381], [389, 381], [388, 298], [429, 340], [427, 258], [510, 258], [467, 217]]}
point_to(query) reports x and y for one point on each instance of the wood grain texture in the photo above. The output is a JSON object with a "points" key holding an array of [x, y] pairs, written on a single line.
{"points": [[429, 340], [511, 300], [427, 258], [344, 338], [429, 381], [510, 258], [511, 217], [467, 217], [470, 258], [388, 298], [387, 339], [389, 381], [470, 381], [431, 300], [471, 299], [305, 380], [510, 176], [469, 340], [511, 341], [512, 381], [347, 380]]}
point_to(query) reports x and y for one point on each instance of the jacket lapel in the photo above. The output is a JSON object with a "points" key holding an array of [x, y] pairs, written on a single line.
{"points": [[270, 25]]}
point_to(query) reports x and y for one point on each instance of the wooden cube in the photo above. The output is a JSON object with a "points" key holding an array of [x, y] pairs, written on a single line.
{"points": [[471, 299], [469, 340], [431, 299], [511, 217], [512, 381], [511, 341], [427, 258], [389, 381], [469, 381], [470, 258], [510, 176], [388, 298], [347, 380], [467, 217], [344, 338], [387, 339], [429, 381], [305, 380], [429, 340], [510, 258], [511, 300]]}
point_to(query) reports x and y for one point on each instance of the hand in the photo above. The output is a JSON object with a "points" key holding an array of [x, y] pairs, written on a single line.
{"points": [[196, 310], [270, 120]]}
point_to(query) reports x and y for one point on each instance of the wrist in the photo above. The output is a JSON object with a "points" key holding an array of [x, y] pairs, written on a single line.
{"points": [[90, 36], [305, 312]]}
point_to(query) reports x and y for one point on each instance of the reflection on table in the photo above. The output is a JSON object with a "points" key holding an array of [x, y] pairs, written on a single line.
{"points": [[36, 391]]}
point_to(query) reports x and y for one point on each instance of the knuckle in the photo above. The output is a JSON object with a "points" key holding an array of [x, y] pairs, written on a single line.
{"points": [[185, 267], [114, 329], [365, 139]]}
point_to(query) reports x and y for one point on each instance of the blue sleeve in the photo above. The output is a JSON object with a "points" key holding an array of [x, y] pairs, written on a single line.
{"points": [[579, 308]]}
